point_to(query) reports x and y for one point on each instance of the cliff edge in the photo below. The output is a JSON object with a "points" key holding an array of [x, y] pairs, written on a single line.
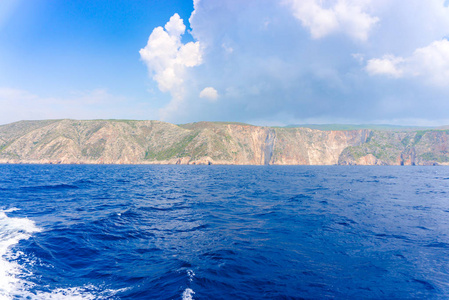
{"points": [[155, 142]]}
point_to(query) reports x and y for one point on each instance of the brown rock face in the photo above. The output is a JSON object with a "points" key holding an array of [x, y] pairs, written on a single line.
{"points": [[306, 146], [368, 160], [154, 142], [408, 157]]}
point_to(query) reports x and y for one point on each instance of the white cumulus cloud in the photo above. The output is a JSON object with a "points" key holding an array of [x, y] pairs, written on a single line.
{"points": [[387, 65], [430, 63], [292, 60], [326, 17], [209, 93], [167, 57]]}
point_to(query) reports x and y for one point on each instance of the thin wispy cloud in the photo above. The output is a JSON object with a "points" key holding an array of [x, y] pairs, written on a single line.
{"points": [[95, 104]]}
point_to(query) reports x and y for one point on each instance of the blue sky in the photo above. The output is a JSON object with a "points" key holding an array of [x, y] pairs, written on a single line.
{"points": [[267, 62]]}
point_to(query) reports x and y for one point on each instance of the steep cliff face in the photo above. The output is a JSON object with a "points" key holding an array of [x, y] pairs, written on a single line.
{"points": [[69, 141], [314, 147], [423, 147], [154, 142]]}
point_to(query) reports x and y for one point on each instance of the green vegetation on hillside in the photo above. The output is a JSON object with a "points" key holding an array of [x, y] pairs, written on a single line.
{"points": [[177, 150], [130, 141], [338, 127], [430, 156]]}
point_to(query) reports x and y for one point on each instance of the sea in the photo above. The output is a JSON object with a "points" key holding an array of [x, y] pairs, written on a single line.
{"points": [[223, 232]]}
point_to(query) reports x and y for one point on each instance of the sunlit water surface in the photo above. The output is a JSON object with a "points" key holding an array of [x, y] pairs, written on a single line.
{"points": [[223, 232]]}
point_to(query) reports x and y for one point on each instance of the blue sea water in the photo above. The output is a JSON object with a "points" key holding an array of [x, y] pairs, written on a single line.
{"points": [[223, 232]]}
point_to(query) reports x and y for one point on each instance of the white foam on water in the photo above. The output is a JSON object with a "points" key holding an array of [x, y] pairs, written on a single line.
{"points": [[74, 293], [191, 274], [12, 230], [188, 294], [12, 284]]}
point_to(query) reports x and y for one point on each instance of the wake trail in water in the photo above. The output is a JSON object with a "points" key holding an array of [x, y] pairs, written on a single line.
{"points": [[188, 294], [223, 232], [13, 284], [12, 231]]}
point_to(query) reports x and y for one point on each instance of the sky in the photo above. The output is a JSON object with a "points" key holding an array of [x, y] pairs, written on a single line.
{"points": [[263, 62]]}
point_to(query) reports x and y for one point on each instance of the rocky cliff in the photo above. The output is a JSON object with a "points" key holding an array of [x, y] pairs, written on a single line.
{"points": [[155, 142]]}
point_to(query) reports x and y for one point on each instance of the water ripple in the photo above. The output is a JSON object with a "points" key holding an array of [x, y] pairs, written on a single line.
{"points": [[224, 232]]}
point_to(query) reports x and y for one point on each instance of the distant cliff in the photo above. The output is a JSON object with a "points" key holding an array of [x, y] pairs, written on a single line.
{"points": [[155, 142]]}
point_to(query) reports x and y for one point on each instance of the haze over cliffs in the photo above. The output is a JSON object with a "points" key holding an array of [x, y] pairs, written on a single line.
{"points": [[155, 142]]}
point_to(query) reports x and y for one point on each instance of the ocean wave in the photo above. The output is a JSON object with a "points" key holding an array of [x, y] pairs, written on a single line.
{"points": [[61, 186], [87, 292], [188, 294], [13, 282], [12, 231], [279, 237]]}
